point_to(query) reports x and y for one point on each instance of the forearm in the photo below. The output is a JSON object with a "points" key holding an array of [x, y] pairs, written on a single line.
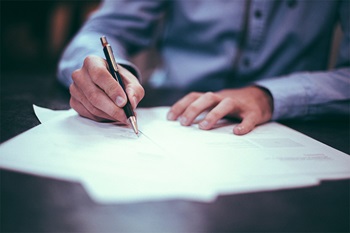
{"points": [[127, 30], [84, 44]]}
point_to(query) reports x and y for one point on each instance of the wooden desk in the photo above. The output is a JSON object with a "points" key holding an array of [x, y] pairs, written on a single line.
{"points": [[37, 204]]}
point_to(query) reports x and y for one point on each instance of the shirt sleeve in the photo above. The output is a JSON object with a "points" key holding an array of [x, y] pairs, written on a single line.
{"points": [[128, 26], [307, 94], [310, 94]]}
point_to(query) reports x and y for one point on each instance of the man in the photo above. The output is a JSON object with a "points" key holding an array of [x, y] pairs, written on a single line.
{"points": [[253, 60]]}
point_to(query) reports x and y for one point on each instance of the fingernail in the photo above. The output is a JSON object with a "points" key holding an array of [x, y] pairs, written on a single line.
{"points": [[203, 124], [238, 128], [171, 116], [120, 101], [183, 120]]}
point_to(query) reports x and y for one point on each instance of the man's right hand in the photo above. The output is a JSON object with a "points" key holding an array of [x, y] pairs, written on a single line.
{"points": [[95, 94]]}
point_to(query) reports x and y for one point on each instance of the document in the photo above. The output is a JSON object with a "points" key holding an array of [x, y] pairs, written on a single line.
{"points": [[167, 160]]}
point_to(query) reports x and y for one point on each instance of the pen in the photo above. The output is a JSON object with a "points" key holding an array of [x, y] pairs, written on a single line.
{"points": [[113, 69]]}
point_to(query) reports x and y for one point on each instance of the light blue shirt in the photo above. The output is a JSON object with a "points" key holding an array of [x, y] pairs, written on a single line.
{"points": [[208, 45]]}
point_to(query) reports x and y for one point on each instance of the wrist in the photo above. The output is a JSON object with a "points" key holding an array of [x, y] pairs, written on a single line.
{"points": [[266, 97]]}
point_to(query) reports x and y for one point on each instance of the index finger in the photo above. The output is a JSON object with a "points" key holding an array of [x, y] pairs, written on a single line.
{"points": [[180, 106], [248, 124], [97, 70]]}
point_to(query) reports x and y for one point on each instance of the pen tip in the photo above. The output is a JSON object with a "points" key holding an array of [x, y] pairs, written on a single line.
{"points": [[133, 123]]}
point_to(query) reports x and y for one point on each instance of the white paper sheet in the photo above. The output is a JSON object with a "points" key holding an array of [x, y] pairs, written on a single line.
{"points": [[168, 160], [45, 114]]}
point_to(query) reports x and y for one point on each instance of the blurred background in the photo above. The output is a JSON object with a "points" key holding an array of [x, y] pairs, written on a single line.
{"points": [[34, 33]]}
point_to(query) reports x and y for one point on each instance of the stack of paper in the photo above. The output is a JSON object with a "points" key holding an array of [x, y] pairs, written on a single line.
{"points": [[167, 160]]}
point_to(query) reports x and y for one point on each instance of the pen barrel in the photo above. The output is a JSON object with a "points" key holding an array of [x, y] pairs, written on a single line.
{"points": [[113, 70], [128, 110], [112, 64], [127, 107]]}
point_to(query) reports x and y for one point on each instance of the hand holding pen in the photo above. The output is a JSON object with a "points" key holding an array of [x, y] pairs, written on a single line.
{"points": [[114, 70], [96, 95]]}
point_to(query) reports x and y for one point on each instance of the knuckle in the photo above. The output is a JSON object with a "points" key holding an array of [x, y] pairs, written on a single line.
{"points": [[212, 116], [255, 116], [96, 74], [175, 109], [76, 75], [94, 98], [229, 101], [89, 60], [194, 95], [209, 95], [141, 92], [111, 89], [94, 111], [72, 104], [94, 67], [193, 108], [115, 113], [71, 89]]}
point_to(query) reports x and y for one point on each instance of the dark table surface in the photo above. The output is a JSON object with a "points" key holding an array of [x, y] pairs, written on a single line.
{"points": [[38, 204]]}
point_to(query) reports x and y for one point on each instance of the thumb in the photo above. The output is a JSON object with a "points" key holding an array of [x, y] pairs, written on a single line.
{"points": [[248, 124]]}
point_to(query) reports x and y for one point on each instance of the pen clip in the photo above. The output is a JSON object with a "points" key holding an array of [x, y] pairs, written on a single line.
{"points": [[114, 63], [109, 53]]}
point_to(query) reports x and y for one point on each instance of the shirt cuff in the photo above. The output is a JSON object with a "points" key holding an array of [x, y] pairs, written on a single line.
{"points": [[289, 97]]}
